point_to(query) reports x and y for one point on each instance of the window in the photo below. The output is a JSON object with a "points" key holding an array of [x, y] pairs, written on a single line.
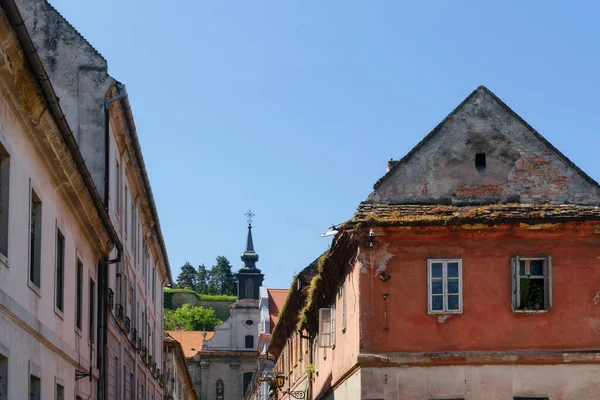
{"points": [[249, 289], [4, 191], [34, 387], [3, 377], [133, 230], [343, 307], [35, 239], [92, 302], [480, 160], [78, 295], [249, 342], [325, 327], [60, 270], [247, 382], [220, 389], [333, 325], [153, 282], [532, 284], [125, 217], [118, 188], [444, 286], [60, 392]]}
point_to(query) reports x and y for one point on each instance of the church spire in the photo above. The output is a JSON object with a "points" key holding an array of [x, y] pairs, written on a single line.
{"points": [[249, 256], [249, 278]]}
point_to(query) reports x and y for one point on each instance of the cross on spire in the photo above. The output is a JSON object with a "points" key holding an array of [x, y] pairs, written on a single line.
{"points": [[250, 215]]}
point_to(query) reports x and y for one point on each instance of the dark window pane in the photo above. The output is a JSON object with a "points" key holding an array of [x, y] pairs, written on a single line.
{"points": [[536, 267], [522, 268], [453, 286], [437, 286], [453, 270], [436, 270], [437, 303], [453, 302]]}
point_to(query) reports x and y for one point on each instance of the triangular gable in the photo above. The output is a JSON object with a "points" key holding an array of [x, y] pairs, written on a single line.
{"points": [[520, 165]]}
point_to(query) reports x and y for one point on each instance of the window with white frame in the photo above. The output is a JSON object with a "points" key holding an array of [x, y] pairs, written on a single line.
{"points": [[444, 286], [119, 184], [531, 283], [35, 239], [4, 190], [326, 327]]}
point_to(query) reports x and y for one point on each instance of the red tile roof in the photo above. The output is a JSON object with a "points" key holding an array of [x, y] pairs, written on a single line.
{"points": [[276, 299], [191, 341]]}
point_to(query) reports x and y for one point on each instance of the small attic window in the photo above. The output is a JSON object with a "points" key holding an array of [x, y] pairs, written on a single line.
{"points": [[480, 160]]}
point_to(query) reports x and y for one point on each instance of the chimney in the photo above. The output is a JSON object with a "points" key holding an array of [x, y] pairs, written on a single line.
{"points": [[391, 163]]}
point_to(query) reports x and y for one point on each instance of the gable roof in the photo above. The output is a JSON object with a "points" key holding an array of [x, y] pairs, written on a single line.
{"points": [[395, 166], [276, 299]]}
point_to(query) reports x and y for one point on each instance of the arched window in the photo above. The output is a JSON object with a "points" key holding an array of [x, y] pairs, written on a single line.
{"points": [[220, 390], [247, 381], [249, 289], [249, 342]]}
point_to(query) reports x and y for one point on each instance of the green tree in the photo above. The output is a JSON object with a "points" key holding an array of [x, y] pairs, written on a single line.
{"points": [[222, 279], [187, 278], [202, 280], [191, 318]]}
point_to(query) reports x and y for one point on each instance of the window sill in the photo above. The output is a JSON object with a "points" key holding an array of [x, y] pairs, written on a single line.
{"points": [[444, 312], [34, 288], [60, 314], [530, 311], [78, 332], [4, 260]]}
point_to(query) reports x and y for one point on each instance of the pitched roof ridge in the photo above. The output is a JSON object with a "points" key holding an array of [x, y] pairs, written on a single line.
{"points": [[75, 30], [510, 111]]}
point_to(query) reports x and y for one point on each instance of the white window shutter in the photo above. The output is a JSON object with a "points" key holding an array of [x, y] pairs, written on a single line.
{"points": [[548, 281], [332, 338], [325, 327], [515, 282]]}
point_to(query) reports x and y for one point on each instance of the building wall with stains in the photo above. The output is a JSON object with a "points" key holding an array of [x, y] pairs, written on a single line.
{"points": [[487, 321], [521, 167], [333, 363], [496, 382]]}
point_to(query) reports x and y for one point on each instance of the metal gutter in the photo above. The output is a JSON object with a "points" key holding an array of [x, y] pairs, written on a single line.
{"points": [[126, 107], [15, 19]]}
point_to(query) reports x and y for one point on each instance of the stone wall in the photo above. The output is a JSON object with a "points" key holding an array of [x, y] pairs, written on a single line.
{"points": [[221, 307]]}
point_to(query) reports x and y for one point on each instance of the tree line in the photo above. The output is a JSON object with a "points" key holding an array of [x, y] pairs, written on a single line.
{"points": [[218, 280]]}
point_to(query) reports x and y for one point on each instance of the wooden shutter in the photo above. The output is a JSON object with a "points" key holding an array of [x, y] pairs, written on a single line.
{"points": [[515, 282], [548, 281]]}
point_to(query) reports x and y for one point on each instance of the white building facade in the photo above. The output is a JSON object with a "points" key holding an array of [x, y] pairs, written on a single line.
{"points": [[55, 235], [123, 274]]}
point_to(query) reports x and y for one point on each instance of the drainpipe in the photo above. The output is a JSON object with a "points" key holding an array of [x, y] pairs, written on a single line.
{"points": [[102, 354]]}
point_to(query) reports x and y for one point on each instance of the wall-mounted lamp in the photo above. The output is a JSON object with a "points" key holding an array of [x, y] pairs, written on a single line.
{"points": [[371, 243]]}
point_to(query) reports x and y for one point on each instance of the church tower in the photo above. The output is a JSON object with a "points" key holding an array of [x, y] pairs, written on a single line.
{"points": [[249, 278]]}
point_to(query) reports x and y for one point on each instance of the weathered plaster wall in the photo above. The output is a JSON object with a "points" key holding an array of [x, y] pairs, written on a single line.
{"points": [[333, 363], [349, 389], [79, 75], [520, 166], [487, 322], [557, 382], [231, 334], [228, 369]]}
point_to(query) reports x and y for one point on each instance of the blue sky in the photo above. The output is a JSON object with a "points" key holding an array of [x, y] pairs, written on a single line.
{"points": [[293, 108]]}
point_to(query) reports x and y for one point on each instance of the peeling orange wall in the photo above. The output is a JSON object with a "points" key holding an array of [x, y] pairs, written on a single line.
{"points": [[487, 322]]}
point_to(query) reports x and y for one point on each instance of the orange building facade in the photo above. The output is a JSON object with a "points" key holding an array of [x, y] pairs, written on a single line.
{"points": [[471, 272]]}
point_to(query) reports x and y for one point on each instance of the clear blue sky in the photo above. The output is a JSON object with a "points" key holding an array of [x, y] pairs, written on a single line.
{"points": [[292, 108]]}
